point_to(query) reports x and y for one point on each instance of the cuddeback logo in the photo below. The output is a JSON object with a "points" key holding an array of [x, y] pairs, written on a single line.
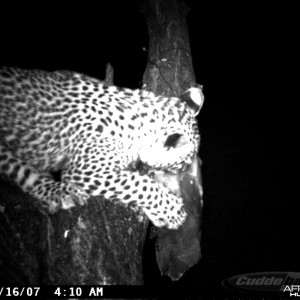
{"points": [[279, 282]]}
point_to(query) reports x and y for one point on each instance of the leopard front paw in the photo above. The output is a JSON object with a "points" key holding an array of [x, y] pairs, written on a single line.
{"points": [[177, 219], [69, 196], [169, 221], [168, 213], [74, 195]]}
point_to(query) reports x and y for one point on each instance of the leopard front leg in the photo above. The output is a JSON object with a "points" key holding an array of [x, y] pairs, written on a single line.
{"points": [[161, 206], [54, 195], [57, 195]]}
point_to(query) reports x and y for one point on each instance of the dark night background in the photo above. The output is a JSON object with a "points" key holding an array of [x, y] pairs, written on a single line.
{"points": [[236, 58]]}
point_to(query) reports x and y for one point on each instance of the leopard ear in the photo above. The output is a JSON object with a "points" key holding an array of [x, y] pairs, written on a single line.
{"points": [[194, 99]]}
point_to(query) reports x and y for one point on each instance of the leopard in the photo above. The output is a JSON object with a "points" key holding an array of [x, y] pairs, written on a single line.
{"points": [[100, 138]]}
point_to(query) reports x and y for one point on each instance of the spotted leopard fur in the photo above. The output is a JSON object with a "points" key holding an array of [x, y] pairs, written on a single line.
{"points": [[96, 135]]}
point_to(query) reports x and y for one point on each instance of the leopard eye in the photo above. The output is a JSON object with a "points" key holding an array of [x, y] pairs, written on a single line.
{"points": [[172, 140]]}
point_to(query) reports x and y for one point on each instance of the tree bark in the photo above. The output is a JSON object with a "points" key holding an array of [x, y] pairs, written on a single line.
{"points": [[169, 70], [100, 243]]}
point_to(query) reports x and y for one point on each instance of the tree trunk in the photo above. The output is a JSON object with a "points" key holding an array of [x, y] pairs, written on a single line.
{"points": [[170, 72]]}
